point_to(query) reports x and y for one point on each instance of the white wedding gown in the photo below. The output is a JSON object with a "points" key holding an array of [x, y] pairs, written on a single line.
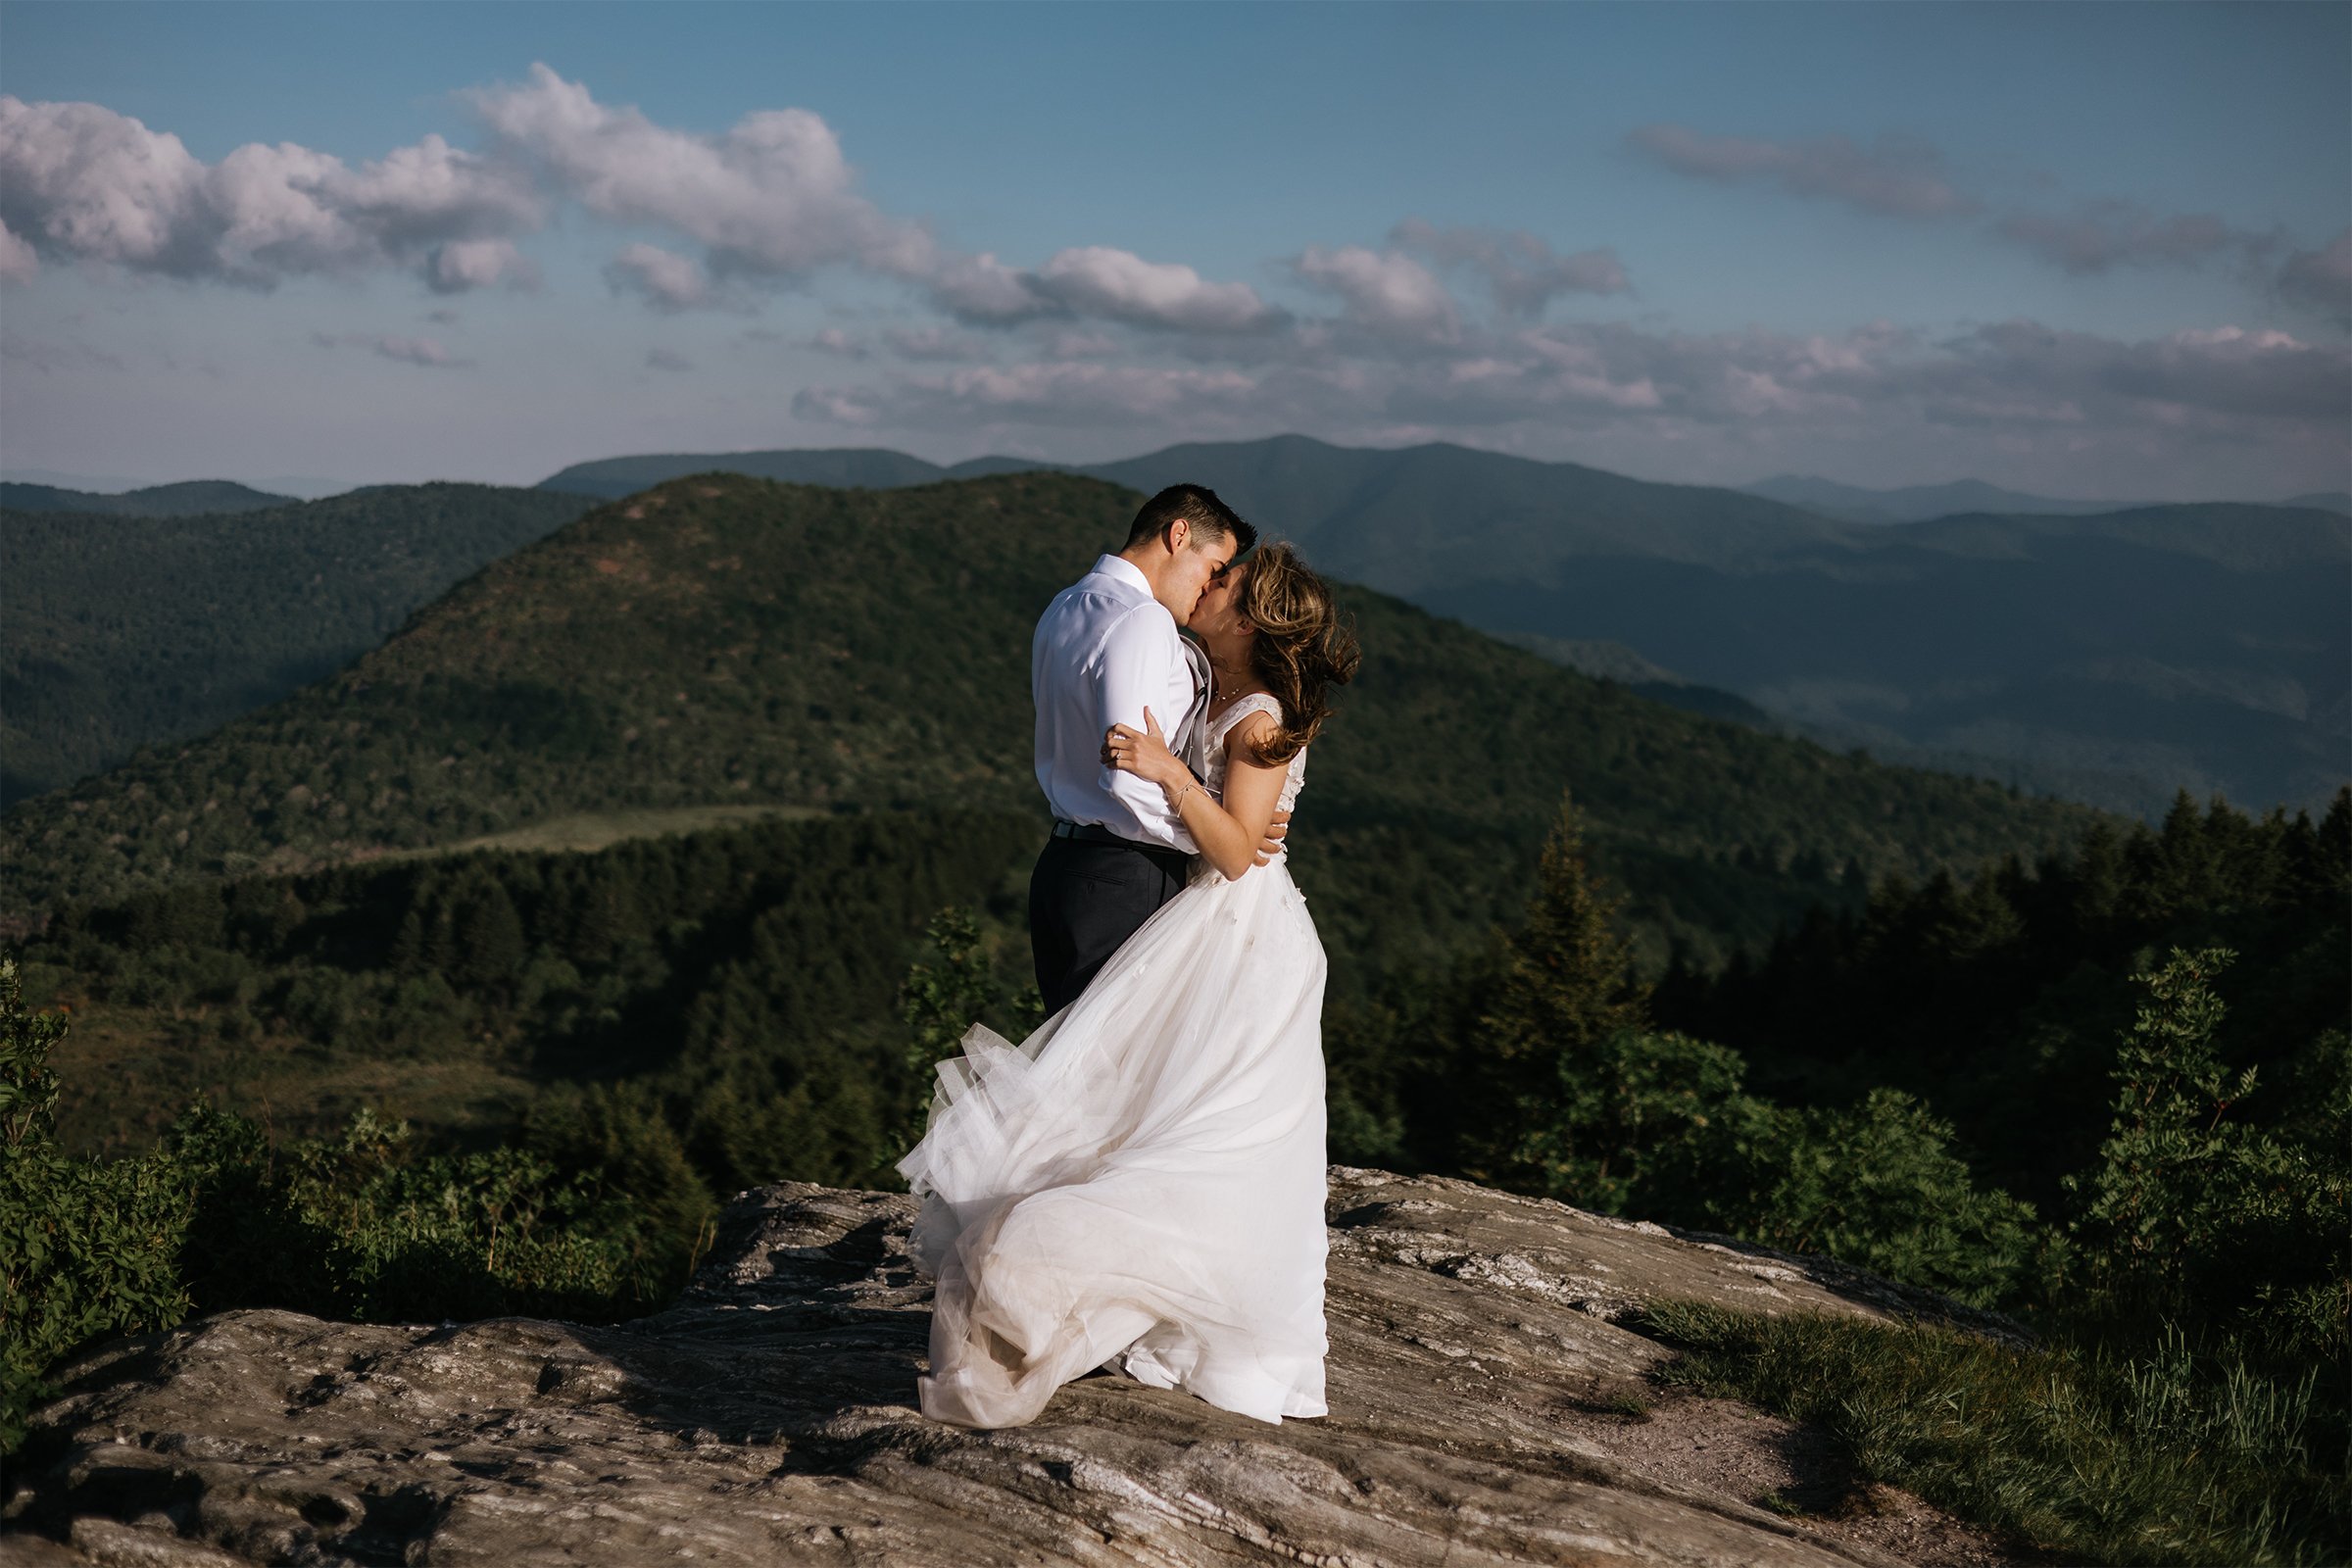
{"points": [[1139, 1184]]}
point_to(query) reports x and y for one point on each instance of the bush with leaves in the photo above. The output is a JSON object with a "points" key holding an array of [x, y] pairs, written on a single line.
{"points": [[86, 1248], [1876, 1185], [956, 986], [366, 1225], [2195, 1214], [1622, 1104]]}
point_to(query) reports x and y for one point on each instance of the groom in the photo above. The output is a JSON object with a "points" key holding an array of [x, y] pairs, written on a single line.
{"points": [[1105, 649]]}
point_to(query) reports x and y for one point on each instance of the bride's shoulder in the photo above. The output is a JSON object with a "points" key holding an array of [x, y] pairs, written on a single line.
{"points": [[1243, 735]]}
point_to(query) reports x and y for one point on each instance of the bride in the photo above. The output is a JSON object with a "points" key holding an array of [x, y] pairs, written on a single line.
{"points": [[1139, 1184]]}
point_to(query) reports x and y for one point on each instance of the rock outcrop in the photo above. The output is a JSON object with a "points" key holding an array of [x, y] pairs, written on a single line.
{"points": [[1486, 1408]]}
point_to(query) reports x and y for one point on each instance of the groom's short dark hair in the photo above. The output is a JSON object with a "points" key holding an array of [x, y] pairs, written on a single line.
{"points": [[1198, 506]]}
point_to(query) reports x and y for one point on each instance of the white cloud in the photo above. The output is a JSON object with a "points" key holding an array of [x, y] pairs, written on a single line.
{"points": [[470, 264], [1905, 176], [1895, 177], [46, 357], [1523, 272], [18, 263], [2099, 234], [833, 340], [80, 182], [1384, 292], [407, 350], [668, 280], [2321, 279], [2226, 375], [933, 343], [1043, 393], [2011, 393], [984, 291], [1096, 280], [770, 197]]}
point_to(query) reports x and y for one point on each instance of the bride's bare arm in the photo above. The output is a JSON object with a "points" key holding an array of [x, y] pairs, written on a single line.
{"points": [[1229, 835]]}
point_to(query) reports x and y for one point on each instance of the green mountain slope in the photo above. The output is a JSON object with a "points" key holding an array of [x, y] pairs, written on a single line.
{"points": [[1914, 503], [723, 640], [2205, 644], [184, 500], [2141, 671], [123, 630], [1402, 518], [863, 468], [1418, 519]]}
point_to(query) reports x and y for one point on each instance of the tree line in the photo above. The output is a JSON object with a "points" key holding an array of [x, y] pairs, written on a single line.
{"points": [[2110, 1094]]}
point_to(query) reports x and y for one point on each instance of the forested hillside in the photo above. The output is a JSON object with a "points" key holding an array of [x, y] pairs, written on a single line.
{"points": [[746, 978], [134, 628], [2207, 646], [2002, 1047], [1995, 996], [186, 499], [2112, 659], [726, 640]]}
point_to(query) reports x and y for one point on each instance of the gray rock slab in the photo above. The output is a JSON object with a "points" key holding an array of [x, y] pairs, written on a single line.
{"points": [[1476, 1341]]}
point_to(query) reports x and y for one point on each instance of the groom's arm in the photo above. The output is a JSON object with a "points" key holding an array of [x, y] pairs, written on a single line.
{"points": [[1138, 665]]}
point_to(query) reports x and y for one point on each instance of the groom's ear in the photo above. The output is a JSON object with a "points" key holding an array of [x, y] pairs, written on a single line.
{"points": [[1179, 534]]}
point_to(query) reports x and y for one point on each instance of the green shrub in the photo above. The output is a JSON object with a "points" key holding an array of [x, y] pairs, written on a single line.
{"points": [[369, 1227], [86, 1246], [2178, 1454], [622, 1137], [1622, 1104], [2195, 1213], [366, 1225], [955, 986], [1876, 1186]]}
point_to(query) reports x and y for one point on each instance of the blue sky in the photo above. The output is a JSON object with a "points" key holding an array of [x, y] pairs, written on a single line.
{"points": [[2088, 249]]}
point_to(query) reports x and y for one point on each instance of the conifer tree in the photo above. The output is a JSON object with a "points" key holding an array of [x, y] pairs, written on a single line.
{"points": [[1565, 985], [2097, 881], [491, 944]]}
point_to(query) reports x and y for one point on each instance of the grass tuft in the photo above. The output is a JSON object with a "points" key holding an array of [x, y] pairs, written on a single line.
{"points": [[2183, 1455]]}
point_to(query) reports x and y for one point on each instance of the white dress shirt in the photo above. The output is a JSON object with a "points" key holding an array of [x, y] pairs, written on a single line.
{"points": [[1104, 651]]}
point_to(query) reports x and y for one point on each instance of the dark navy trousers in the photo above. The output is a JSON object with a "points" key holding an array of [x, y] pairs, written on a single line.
{"points": [[1086, 897]]}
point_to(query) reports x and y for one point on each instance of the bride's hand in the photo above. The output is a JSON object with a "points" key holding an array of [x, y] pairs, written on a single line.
{"points": [[1144, 753]]}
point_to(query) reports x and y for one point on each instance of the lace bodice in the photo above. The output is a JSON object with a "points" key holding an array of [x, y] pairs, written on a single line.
{"points": [[1212, 746]]}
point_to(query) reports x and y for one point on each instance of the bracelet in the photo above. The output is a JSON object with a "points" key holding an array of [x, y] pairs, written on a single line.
{"points": [[1176, 806]]}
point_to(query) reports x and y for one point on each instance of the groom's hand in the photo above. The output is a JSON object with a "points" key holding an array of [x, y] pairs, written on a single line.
{"points": [[1271, 844]]}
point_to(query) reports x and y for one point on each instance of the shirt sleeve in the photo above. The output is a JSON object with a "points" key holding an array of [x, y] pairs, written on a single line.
{"points": [[1141, 662]]}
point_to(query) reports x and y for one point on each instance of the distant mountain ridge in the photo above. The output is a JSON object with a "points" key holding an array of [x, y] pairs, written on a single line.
{"points": [[726, 640], [186, 499], [1918, 503], [845, 468], [2198, 646]]}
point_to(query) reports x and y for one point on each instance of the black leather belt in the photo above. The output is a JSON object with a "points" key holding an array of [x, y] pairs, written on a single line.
{"points": [[1096, 833]]}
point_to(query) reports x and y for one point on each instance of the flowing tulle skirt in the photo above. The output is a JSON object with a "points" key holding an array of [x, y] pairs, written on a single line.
{"points": [[1140, 1182]]}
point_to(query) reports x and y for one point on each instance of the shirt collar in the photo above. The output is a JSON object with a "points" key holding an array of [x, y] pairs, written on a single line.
{"points": [[1125, 571]]}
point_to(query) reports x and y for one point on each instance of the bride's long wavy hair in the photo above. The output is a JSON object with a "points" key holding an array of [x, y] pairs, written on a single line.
{"points": [[1302, 648]]}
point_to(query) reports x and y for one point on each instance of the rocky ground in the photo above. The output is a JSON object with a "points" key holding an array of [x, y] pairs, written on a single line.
{"points": [[1484, 1409]]}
